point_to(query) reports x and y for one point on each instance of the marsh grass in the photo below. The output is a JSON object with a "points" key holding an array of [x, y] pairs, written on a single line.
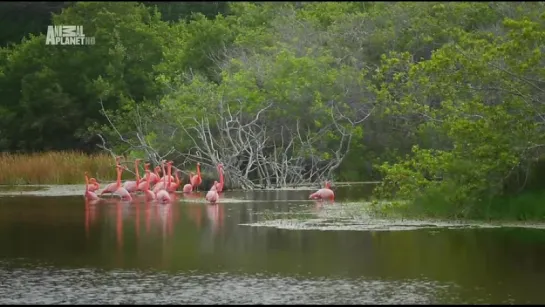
{"points": [[55, 168], [527, 206]]}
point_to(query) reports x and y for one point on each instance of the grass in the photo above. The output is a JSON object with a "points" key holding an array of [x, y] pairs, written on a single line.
{"points": [[54, 168], [527, 206]]}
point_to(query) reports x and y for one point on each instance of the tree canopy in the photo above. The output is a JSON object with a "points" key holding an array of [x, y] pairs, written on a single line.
{"points": [[436, 98]]}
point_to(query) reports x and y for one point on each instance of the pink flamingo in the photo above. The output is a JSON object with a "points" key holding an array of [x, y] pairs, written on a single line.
{"points": [[148, 193], [163, 195], [174, 186], [188, 187], [169, 175], [121, 191], [220, 184], [325, 193], [212, 195], [112, 187], [89, 195], [154, 177], [165, 180], [93, 185], [197, 179], [132, 186]]}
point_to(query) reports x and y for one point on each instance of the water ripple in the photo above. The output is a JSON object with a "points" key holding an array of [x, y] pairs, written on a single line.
{"points": [[86, 286]]}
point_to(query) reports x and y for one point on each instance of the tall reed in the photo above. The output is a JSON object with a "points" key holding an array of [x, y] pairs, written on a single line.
{"points": [[55, 168]]}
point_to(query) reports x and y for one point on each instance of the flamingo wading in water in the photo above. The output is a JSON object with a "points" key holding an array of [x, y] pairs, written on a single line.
{"points": [[212, 196], [148, 193], [154, 177], [165, 180], [112, 187], [121, 191], [174, 186], [89, 195], [197, 179], [163, 195], [188, 187], [93, 184], [323, 194], [132, 186]]}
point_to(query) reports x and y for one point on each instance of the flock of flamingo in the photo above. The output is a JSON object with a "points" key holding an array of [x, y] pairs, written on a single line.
{"points": [[162, 186], [167, 184]]}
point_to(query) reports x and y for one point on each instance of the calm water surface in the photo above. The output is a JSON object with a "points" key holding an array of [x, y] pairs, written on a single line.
{"points": [[62, 250]]}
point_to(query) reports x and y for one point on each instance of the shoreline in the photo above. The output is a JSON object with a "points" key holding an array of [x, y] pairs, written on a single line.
{"points": [[52, 190]]}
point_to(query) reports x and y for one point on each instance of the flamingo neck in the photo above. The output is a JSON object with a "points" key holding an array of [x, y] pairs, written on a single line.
{"points": [[148, 175], [198, 170], [119, 171], [177, 179], [86, 183], [137, 173], [169, 174], [220, 170], [164, 173]]}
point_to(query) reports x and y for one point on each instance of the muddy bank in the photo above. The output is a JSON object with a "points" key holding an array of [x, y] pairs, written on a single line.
{"points": [[43, 190]]}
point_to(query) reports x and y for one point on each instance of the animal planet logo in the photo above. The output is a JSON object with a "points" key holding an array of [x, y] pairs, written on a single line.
{"points": [[67, 36]]}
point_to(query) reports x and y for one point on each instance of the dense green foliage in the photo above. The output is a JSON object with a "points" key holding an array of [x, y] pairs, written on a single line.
{"points": [[450, 92]]}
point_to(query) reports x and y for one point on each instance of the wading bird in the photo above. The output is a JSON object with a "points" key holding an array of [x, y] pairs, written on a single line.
{"points": [[112, 187], [132, 186], [212, 195], [197, 179], [121, 191], [188, 187], [93, 185], [165, 180], [175, 185], [154, 177], [89, 195], [149, 195], [168, 174], [323, 194]]}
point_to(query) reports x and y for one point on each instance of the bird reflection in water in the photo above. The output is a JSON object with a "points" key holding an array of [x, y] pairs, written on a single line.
{"points": [[216, 216], [119, 225], [164, 218], [90, 214], [195, 213], [137, 223]]}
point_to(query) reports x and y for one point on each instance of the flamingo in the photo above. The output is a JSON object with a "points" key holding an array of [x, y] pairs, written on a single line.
{"points": [[112, 187], [148, 193], [162, 195], [174, 186], [325, 193], [154, 177], [220, 184], [132, 186], [89, 195], [197, 179], [93, 185], [212, 195], [188, 187], [167, 178], [121, 191]]}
